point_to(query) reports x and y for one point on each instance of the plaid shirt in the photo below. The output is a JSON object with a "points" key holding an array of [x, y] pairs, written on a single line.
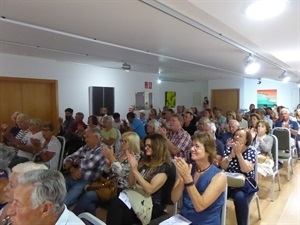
{"points": [[92, 161], [182, 140]]}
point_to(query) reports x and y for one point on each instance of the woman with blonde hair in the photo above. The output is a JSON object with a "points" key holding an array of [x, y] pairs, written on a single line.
{"points": [[116, 166]]}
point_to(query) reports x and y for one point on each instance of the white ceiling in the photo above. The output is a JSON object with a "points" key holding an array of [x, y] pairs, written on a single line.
{"points": [[188, 40]]}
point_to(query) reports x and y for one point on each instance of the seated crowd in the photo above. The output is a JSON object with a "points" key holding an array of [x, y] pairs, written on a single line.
{"points": [[154, 160]]}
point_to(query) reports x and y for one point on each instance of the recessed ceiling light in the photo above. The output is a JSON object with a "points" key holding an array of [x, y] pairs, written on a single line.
{"points": [[265, 9]]}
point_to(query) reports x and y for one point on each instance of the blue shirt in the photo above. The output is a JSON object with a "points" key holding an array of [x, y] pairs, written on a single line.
{"points": [[212, 214], [138, 127]]}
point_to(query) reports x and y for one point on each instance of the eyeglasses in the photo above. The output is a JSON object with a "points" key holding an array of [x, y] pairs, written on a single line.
{"points": [[123, 141], [148, 146]]}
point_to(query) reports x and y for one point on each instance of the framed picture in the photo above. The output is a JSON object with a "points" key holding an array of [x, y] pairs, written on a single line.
{"points": [[170, 99], [266, 97]]}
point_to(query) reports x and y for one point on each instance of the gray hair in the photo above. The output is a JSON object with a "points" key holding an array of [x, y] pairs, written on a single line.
{"points": [[154, 123], [285, 110], [234, 122], [212, 126], [23, 118], [6, 154], [28, 166], [107, 118], [36, 122], [48, 185], [95, 131]]}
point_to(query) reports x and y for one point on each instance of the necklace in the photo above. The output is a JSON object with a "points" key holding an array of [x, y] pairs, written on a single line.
{"points": [[201, 171]]}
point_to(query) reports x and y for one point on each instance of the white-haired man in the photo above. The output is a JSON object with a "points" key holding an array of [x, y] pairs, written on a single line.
{"points": [[13, 182], [39, 200]]}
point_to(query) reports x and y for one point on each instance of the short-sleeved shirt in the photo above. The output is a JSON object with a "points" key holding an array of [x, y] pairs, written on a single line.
{"points": [[26, 141], [139, 128], [112, 133], [54, 145], [182, 140], [234, 166]]}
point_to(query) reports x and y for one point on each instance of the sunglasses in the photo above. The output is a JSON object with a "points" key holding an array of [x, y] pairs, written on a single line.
{"points": [[148, 146]]}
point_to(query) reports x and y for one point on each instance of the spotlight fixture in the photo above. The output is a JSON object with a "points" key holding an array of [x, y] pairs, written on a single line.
{"points": [[284, 77], [259, 81], [126, 67], [252, 66], [159, 81], [298, 84], [265, 9]]}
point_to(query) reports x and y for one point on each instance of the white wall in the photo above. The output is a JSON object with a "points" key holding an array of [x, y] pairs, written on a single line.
{"points": [[74, 80], [287, 94]]}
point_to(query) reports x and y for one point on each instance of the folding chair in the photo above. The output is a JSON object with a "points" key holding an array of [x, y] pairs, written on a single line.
{"points": [[284, 144], [275, 167], [255, 195], [224, 208], [62, 151], [91, 219]]}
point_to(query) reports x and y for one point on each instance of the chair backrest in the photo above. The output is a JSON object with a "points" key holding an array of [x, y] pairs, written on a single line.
{"points": [[284, 137], [255, 168], [92, 220], [62, 151], [274, 151]]}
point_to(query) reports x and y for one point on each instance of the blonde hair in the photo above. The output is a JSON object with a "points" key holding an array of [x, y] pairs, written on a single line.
{"points": [[133, 141]]}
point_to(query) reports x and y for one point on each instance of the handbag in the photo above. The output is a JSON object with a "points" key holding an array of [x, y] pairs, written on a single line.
{"points": [[250, 186], [105, 188], [235, 180]]}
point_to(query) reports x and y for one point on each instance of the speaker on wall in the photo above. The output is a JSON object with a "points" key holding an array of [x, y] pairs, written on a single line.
{"points": [[101, 97]]}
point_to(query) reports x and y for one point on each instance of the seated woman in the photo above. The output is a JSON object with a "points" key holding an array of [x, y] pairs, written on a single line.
{"points": [[240, 158], [152, 126], [151, 175], [263, 143], [49, 151], [117, 166], [201, 184]]}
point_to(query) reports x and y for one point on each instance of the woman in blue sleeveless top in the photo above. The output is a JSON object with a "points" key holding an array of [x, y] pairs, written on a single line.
{"points": [[201, 184]]}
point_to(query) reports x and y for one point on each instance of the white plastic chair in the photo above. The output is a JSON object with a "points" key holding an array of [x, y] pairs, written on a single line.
{"points": [[93, 220]]}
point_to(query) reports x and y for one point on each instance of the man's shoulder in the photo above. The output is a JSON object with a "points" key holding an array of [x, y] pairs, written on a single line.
{"points": [[69, 218]]}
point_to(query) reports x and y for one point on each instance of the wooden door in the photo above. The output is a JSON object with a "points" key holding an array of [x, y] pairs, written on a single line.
{"points": [[225, 99], [35, 97]]}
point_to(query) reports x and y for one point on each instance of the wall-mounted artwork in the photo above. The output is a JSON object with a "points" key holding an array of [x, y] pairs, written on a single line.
{"points": [[170, 99], [266, 97]]}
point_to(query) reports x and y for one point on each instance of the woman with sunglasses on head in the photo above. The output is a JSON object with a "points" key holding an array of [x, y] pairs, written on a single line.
{"points": [[153, 175], [240, 158], [117, 166]]}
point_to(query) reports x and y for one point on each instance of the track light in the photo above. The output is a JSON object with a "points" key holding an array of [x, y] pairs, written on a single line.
{"points": [[284, 77], [126, 67], [252, 66], [159, 81]]}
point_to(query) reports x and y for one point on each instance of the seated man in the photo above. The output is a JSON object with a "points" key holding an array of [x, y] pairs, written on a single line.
{"points": [[233, 125], [75, 138], [29, 142], [178, 140], [39, 199], [49, 151], [136, 125], [65, 126], [85, 165], [108, 133]]}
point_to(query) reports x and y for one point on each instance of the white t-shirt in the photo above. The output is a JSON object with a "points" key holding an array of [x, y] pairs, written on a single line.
{"points": [[54, 145], [26, 141]]}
